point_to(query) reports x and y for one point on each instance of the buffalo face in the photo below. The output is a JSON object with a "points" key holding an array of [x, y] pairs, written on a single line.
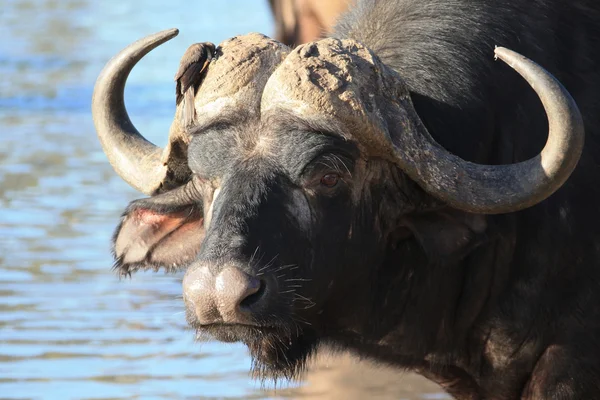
{"points": [[304, 196], [276, 226]]}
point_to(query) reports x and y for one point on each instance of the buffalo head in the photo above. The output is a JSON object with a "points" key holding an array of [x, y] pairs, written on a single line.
{"points": [[306, 198]]}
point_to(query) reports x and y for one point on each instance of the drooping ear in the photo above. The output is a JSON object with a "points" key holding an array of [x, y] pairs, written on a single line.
{"points": [[447, 234], [158, 232]]}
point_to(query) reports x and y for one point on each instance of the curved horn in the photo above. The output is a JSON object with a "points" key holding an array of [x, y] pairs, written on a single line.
{"points": [[495, 189], [134, 158]]}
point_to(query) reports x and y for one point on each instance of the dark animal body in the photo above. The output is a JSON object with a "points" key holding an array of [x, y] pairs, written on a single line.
{"points": [[301, 21], [299, 229]]}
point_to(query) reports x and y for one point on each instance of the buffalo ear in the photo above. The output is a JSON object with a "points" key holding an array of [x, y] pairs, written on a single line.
{"points": [[447, 234], [154, 234]]}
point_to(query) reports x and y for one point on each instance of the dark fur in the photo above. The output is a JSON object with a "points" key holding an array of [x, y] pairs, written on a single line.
{"points": [[489, 307], [530, 286]]}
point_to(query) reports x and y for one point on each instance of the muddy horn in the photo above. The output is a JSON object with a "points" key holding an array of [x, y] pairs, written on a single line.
{"points": [[134, 158], [495, 189]]}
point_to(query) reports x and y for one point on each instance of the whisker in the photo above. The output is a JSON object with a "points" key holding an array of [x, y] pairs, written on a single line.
{"points": [[309, 302], [285, 266], [267, 265], [253, 255], [301, 320]]}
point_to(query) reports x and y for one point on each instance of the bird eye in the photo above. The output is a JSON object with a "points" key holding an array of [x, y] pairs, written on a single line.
{"points": [[330, 180]]}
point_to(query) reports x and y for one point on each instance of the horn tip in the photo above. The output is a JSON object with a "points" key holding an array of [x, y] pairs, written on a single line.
{"points": [[171, 33], [506, 54], [498, 51]]}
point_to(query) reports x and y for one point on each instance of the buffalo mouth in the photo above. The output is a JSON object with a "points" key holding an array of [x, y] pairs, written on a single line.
{"points": [[237, 332], [278, 351]]}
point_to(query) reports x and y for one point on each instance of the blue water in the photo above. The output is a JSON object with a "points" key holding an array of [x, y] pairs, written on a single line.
{"points": [[69, 328]]}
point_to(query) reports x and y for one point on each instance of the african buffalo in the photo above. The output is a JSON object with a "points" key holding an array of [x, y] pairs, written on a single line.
{"points": [[383, 191], [301, 21]]}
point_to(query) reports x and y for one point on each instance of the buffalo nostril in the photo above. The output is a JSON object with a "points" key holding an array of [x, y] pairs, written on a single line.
{"points": [[236, 293], [231, 296], [254, 297]]}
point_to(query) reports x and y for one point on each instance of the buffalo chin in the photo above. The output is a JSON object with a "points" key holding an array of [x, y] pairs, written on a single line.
{"points": [[277, 352]]}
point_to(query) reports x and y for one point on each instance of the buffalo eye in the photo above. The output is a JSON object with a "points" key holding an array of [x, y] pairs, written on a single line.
{"points": [[330, 180]]}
